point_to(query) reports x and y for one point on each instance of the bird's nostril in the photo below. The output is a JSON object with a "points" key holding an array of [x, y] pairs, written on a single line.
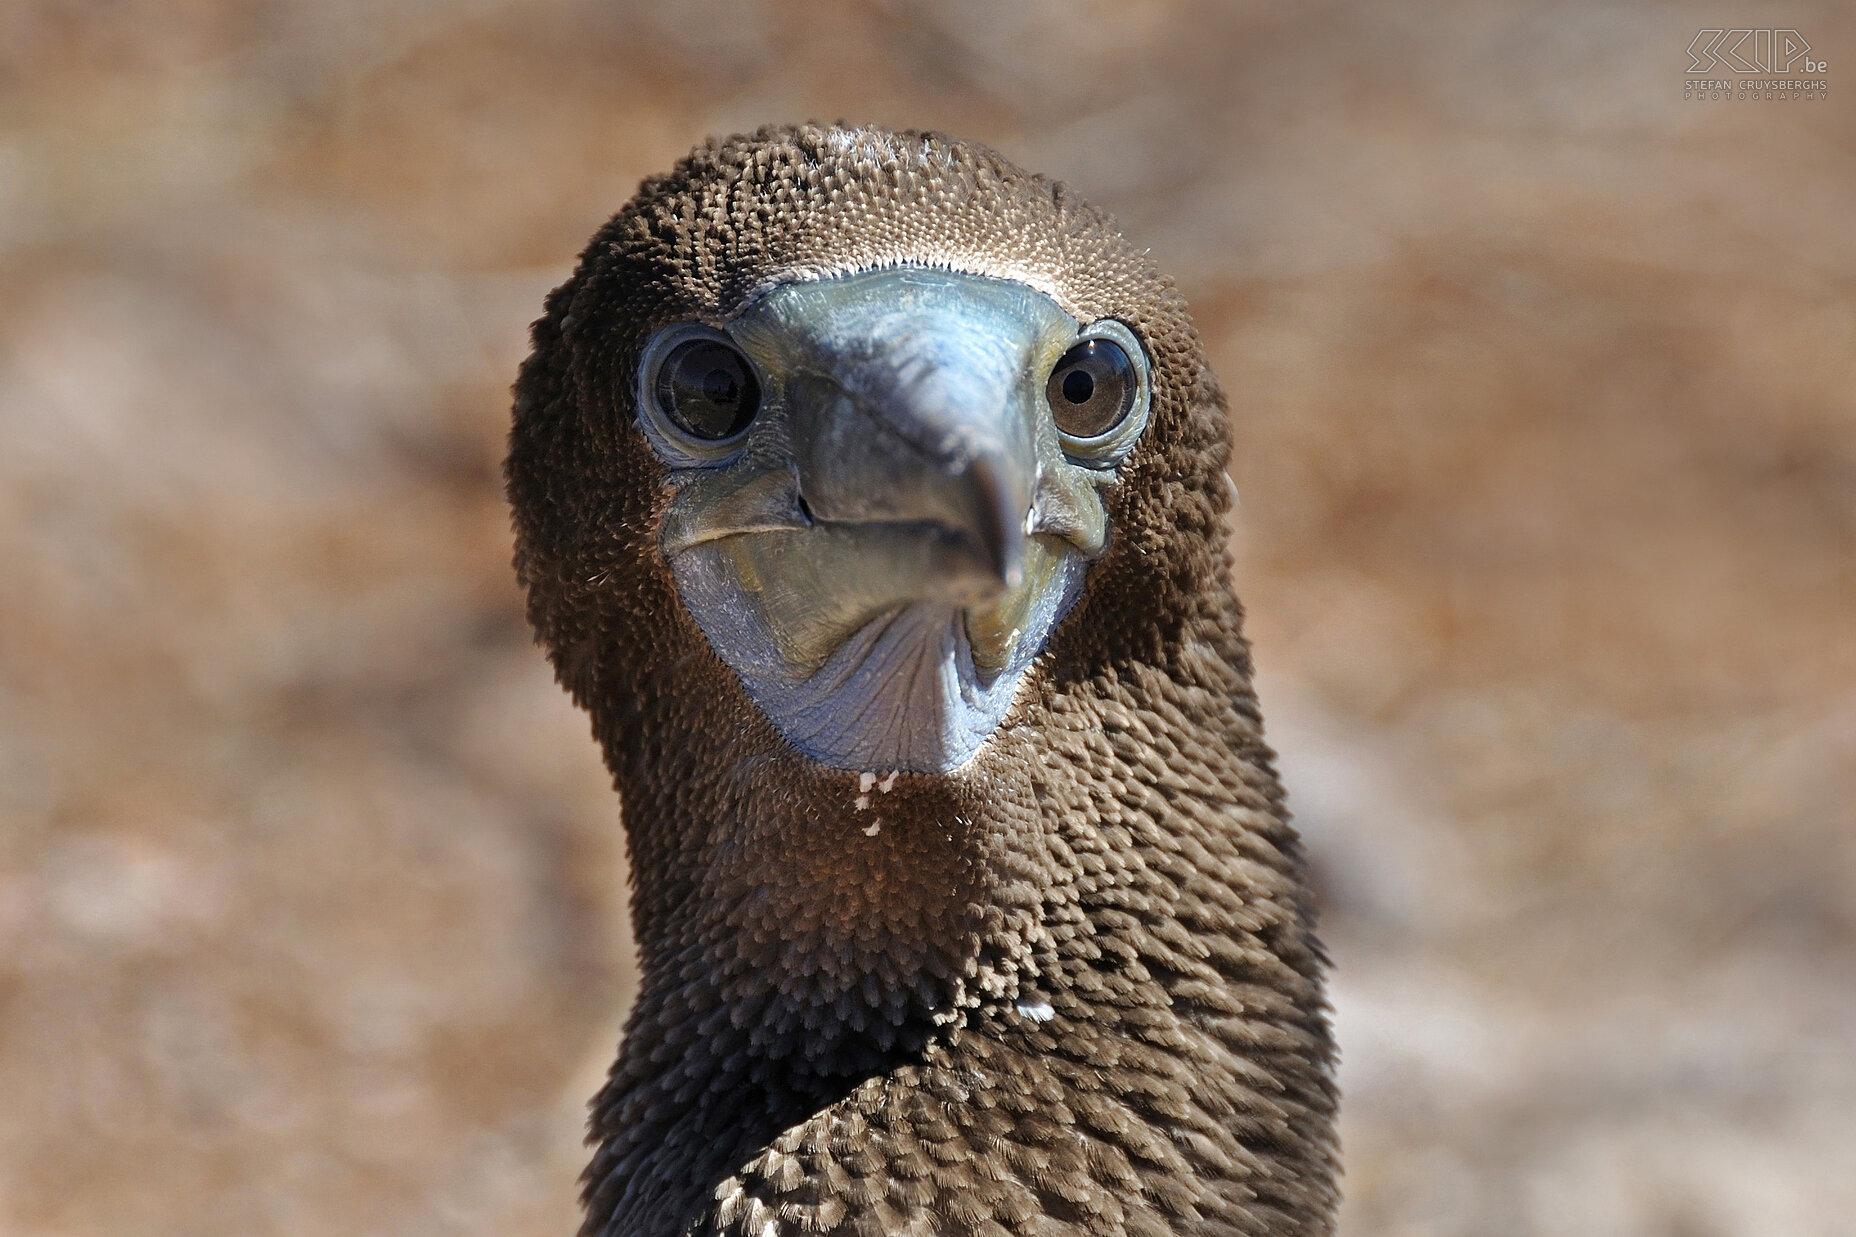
{"points": [[805, 510]]}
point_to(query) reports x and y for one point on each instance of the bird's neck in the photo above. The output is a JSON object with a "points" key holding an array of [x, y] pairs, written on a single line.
{"points": [[801, 933], [846, 919], [1115, 857]]}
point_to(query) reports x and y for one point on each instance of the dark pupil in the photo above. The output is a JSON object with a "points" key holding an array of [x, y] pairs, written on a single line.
{"points": [[708, 389], [719, 387], [1091, 389]]}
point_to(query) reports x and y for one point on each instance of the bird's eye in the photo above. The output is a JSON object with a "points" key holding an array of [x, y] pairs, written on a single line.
{"points": [[1093, 389], [707, 389]]}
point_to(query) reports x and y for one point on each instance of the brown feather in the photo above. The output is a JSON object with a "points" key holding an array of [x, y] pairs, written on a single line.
{"points": [[827, 1037]]}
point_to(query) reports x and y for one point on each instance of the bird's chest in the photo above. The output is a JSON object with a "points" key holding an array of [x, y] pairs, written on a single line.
{"points": [[1047, 1124]]}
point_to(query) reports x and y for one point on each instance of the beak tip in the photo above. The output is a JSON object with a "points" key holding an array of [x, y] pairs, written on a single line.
{"points": [[1002, 519]]}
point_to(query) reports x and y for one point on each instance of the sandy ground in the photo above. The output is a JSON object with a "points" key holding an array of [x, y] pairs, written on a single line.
{"points": [[312, 893]]}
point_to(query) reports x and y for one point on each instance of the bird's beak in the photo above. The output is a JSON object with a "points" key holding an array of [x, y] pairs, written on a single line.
{"points": [[904, 454], [908, 410]]}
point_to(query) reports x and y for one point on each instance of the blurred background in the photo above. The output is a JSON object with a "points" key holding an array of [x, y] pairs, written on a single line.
{"points": [[312, 890]]}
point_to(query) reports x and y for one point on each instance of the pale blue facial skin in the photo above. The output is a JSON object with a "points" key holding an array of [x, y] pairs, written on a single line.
{"points": [[883, 553]]}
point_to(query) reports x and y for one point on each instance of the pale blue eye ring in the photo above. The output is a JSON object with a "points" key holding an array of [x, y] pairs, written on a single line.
{"points": [[1100, 393], [698, 395]]}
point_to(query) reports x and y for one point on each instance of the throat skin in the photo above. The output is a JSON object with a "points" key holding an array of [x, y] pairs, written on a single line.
{"points": [[1070, 988]]}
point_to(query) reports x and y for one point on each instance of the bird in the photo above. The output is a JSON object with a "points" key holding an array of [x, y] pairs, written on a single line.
{"points": [[870, 495]]}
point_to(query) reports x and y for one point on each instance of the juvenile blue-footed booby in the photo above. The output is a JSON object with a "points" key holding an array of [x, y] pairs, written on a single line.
{"points": [[869, 494]]}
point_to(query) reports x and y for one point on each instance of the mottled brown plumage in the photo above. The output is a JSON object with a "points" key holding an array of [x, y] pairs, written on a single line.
{"points": [[829, 1035]]}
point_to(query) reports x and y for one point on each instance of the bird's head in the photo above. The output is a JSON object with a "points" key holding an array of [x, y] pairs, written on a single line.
{"points": [[886, 492], [881, 409]]}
